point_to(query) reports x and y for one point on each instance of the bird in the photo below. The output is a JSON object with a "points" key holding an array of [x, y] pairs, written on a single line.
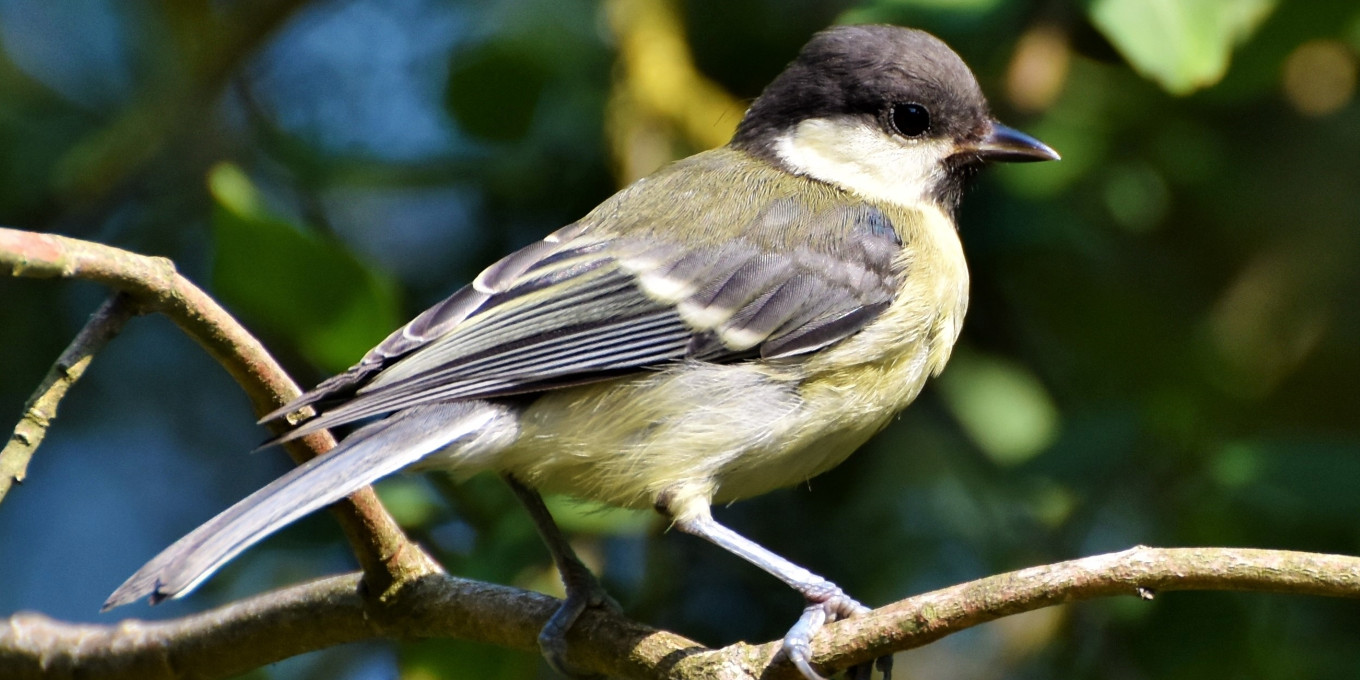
{"points": [[739, 321]]}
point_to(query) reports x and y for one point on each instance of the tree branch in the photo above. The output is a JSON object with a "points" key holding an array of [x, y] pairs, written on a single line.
{"points": [[323, 613], [385, 553], [1139, 571], [304, 618], [41, 408], [415, 599]]}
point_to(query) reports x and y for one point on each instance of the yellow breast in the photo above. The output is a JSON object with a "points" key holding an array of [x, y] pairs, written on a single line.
{"points": [[733, 431]]}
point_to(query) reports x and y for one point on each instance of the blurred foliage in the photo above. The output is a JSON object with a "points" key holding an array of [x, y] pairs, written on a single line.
{"points": [[336, 311], [1182, 44], [1161, 346]]}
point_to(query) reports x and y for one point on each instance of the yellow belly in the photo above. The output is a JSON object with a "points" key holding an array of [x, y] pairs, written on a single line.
{"points": [[723, 432]]}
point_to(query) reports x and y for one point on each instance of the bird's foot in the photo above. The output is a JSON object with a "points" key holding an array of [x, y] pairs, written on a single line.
{"points": [[583, 592], [827, 603]]}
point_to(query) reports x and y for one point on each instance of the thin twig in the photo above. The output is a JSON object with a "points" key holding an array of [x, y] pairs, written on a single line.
{"points": [[387, 556], [41, 408], [416, 600], [1138, 572]]}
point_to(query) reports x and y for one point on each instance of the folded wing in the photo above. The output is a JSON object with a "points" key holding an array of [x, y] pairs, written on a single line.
{"points": [[578, 308]]}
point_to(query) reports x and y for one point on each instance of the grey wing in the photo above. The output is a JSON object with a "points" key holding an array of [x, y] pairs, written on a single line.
{"points": [[573, 309]]}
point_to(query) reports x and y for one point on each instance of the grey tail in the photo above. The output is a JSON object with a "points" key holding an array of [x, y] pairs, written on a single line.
{"points": [[369, 454]]}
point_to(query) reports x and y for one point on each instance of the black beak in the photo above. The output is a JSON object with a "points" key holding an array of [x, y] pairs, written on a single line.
{"points": [[1008, 145]]}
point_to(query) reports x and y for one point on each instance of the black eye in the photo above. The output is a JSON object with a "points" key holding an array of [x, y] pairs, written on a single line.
{"points": [[910, 120]]}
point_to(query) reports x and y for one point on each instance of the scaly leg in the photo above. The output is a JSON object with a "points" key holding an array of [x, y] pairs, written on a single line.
{"points": [[826, 601], [583, 590]]}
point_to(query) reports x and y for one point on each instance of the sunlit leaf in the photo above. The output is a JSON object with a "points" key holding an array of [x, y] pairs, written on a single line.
{"points": [[1002, 406], [1184, 45], [885, 10], [293, 282]]}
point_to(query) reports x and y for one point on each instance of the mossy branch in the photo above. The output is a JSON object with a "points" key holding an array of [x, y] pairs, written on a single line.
{"points": [[151, 283], [404, 595], [266, 628]]}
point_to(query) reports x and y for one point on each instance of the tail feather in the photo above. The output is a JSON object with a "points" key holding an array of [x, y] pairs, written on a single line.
{"points": [[369, 454]]}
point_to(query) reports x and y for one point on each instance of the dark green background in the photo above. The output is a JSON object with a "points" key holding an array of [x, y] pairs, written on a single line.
{"points": [[1162, 346]]}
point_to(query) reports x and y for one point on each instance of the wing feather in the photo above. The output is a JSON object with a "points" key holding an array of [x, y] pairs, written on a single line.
{"points": [[577, 308]]}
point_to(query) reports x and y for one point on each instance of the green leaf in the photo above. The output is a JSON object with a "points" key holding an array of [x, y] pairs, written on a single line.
{"points": [[292, 282], [911, 11], [1184, 45], [1001, 405], [942, 5]]}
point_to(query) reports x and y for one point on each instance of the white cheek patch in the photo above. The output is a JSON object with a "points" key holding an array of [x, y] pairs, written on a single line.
{"points": [[862, 159]]}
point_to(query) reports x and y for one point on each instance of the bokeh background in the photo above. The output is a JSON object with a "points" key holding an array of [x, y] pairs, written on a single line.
{"points": [[1162, 346]]}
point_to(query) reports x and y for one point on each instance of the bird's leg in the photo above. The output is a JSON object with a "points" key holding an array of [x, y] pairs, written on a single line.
{"points": [[583, 590], [826, 601]]}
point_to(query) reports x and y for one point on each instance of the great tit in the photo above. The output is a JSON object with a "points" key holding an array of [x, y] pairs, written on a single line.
{"points": [[737, 322]]}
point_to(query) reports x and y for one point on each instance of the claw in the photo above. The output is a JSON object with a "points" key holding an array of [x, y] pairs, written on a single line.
{"points": [[798, 641], [583, 589], [804, 667], [827, 603], [885, 664], [552, 640], [864, 671]]}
